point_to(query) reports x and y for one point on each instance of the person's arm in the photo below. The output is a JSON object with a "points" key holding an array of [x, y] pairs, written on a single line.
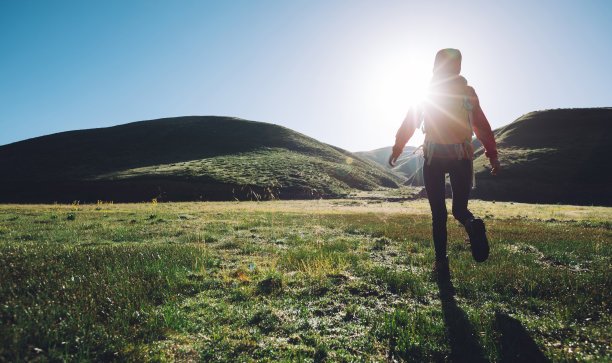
{"points": [[483, 132], [404, 134]]}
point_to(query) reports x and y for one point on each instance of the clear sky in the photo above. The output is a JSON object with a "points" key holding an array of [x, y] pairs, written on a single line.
{"points": [[343, 72]]}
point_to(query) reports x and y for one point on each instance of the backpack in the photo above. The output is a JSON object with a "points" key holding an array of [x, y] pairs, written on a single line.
{"points": [[447, 119]]}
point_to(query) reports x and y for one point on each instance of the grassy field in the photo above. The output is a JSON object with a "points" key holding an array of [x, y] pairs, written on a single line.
{"points": [[336, 280]]}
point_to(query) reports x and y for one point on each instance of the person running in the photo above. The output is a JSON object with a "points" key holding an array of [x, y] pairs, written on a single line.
{"points": [[450, 116]]}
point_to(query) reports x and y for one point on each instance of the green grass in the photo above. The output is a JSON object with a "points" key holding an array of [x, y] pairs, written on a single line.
{"points": [[273, 168], [337, 280]]}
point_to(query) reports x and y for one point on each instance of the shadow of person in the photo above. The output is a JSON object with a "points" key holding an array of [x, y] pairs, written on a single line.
{"points": [[515, 344], [462, 337]]}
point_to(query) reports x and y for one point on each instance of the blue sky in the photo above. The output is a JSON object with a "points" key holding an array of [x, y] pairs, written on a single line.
{"points": [[343, 72]]}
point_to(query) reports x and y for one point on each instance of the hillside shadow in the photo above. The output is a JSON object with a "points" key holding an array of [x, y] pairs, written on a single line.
{"points": [[462, 337]]}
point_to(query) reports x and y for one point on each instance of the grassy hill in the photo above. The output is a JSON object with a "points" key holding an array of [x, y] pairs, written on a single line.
{"points": [[408, 164], [183, 158], [552, 156]]}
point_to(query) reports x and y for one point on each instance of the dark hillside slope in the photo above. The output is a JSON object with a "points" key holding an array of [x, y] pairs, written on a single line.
{"points": [[183, 158], [553, 156]]}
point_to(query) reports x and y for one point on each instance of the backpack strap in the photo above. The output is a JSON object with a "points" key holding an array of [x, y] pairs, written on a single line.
{"points": [[468, 143], [468, 106]]}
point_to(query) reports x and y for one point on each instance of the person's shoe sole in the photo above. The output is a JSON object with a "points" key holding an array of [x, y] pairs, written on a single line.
{"points": [[478, 241]]}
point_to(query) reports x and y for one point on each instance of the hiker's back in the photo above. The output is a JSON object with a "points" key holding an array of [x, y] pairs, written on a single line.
{"points": [[446, 114]]}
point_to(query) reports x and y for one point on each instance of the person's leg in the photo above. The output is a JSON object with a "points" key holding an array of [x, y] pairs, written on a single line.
{"points": [[461, 179], [433, 176], [461, 182]]}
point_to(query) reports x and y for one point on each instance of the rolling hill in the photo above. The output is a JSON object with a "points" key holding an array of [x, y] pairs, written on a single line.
{"points": [[552, 156], [183, 158]]}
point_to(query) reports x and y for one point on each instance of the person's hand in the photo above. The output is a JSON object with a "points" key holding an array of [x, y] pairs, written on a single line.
{"points": [[495, 165], [393, 159]]}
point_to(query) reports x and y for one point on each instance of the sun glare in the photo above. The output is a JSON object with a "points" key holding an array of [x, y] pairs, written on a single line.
{"points": [[396, 84]]}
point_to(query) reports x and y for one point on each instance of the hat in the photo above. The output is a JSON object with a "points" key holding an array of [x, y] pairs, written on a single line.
{"points": [[448, 61]]}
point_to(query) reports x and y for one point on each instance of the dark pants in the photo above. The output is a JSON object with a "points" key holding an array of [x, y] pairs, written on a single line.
{"points": [[460, 172]]}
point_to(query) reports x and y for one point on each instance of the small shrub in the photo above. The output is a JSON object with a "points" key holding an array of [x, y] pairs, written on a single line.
{"points": [[321, 353], [350, 312], [240, 294], [270, 284], [380, 244], [265, 319]]}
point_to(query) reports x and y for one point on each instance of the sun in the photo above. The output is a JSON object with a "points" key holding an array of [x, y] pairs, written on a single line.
{"points": [[401, 82], [397, 83]]}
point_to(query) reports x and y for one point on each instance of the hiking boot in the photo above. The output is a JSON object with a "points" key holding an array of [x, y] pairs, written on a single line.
{"points": [[441, 269], [478, 239]]}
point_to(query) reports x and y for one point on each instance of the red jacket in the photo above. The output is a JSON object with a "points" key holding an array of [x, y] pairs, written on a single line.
{"points": [[482, 129]]}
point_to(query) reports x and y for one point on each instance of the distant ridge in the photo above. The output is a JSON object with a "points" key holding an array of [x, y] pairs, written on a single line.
{"points": [[409, 164], [182, 158]]}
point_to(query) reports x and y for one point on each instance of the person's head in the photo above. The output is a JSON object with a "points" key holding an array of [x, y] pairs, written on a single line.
{"points": [[448, 61]]}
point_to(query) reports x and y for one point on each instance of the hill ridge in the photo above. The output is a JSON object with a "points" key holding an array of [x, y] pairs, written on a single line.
{"points": [[201, 150], [547, 156]]}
